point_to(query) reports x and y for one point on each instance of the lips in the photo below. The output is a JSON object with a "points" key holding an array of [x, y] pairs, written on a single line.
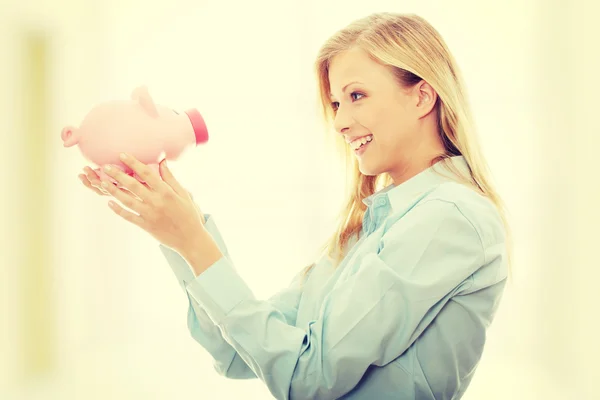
{"points": [[360, 142], [350, 139]]}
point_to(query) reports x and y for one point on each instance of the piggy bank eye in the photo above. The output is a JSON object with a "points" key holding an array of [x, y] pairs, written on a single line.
{"points": [[175, 112]]}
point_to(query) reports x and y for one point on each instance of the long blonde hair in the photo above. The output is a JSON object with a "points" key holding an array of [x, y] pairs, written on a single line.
{"points": [[414, 51]]}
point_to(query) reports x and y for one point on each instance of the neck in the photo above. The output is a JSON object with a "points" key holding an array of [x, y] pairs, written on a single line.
{"points": [[420, 158]]}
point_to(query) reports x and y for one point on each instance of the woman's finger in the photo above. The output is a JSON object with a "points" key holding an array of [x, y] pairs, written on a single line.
{"points": [[169, 178], [127, 182], [147, 174], [129, 200], [93, 178], [92, 175], [83, 178], [126, 214], [97, 187]]}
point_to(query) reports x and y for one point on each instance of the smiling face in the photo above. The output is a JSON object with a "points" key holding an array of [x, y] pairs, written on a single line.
{"points": [[369, 102]]}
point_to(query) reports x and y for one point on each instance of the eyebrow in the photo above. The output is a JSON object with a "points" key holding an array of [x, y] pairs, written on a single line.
{"points": [[345, 87]]}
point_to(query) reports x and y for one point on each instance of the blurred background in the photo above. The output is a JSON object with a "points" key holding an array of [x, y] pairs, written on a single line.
{"points": [[89, 307]]}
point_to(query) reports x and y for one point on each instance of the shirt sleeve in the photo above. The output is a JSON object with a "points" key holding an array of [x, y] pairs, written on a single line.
{"points": [[369, 318], [226, 360]]}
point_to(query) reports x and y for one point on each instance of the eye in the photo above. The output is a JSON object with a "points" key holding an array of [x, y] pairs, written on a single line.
{"points": [[353, 94]]}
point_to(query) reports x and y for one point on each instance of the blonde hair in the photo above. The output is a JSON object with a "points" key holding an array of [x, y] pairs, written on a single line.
{"points": [[414, 51]]}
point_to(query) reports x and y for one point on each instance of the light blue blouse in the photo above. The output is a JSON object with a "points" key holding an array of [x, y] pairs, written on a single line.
{"points": [[403, 317]]}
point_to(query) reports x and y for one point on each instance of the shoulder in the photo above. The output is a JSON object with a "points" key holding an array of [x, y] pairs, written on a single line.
{"points": [[452, 230], [452, 234], [463, 205]]}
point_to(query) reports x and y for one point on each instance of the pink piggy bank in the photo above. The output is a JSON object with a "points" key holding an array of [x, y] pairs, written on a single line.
{"points": [[148, 131]]}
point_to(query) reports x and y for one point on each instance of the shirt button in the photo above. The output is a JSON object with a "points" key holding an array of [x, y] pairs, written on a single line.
{"points": [[381, 201]]}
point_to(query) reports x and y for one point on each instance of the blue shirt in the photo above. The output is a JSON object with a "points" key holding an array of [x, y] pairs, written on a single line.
{"points": [[404, 316]]}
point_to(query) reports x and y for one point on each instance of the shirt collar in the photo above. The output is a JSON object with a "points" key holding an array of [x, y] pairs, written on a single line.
{"points": [[409, 192]]}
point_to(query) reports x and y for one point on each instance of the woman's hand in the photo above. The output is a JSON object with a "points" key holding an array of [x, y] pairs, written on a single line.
{"points": [[91, 180], [162, 207]]}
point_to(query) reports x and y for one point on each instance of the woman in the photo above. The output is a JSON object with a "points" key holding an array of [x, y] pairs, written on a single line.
{"points": [[398, 305]]}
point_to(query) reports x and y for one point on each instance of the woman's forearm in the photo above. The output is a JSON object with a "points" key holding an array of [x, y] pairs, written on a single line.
{"points": [[202, 252]]}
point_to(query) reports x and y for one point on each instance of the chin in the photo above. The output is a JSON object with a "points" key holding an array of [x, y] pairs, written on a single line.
{"points": [[369, 170]]}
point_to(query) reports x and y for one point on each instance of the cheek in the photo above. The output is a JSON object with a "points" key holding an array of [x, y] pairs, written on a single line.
{"points": [[370, 118], [387, 124]]}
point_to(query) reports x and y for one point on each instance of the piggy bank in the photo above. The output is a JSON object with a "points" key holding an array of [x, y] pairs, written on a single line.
{"points": [[148, 131]]}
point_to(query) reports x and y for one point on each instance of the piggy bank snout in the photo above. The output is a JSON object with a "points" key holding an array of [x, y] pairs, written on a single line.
{"points": [[199, 126]]}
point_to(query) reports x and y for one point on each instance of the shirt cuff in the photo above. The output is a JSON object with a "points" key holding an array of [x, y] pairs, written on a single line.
{"points": [[219, 290], [179, 266]]}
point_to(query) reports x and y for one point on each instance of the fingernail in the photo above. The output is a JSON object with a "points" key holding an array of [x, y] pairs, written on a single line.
{"points": [[123, 156], [107, 168], [104, 184]]}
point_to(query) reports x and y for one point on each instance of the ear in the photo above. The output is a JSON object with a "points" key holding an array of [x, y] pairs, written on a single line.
{"points": [[427, 98], [142, 96], [69, 136]]}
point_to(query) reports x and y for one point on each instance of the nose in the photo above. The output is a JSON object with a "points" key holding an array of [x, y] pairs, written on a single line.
{"points": [[342, 120]]}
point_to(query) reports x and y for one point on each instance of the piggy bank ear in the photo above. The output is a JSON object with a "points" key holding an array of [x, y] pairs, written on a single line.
{"points": [[141, 95], [70, 136]]}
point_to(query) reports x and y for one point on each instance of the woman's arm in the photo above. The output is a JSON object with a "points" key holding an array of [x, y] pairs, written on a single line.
{"points": [[226, 359], [369, 318]]}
